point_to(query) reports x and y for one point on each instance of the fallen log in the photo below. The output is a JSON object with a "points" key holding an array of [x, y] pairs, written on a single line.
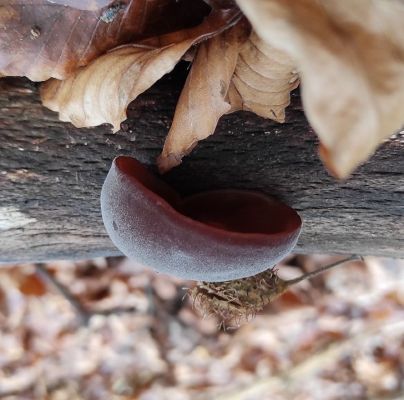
{"points": [[51, 175]]}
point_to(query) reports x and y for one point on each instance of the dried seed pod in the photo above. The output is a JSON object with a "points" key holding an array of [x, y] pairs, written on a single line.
{"points": [[239, 300], [234, 302]]}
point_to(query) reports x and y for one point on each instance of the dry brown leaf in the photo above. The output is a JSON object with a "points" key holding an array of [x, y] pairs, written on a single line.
{"points": [[350, 57], [203, 98], [263, 80], [101, 92], [231, 72], [41, 40]]}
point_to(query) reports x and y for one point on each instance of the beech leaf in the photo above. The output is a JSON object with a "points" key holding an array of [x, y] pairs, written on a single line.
{"points": [[43, 39], [231, 72], [350, 57], [203, 98], [263, 80], [101, 92]]}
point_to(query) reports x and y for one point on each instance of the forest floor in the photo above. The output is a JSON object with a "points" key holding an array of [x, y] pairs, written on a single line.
{"points": [[133, 335]]}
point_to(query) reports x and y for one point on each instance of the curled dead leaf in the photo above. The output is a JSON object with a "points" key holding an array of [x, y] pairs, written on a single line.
{"points": [[101, 92], [231, 72], [263, 80], [203, 98], [350, 57]]}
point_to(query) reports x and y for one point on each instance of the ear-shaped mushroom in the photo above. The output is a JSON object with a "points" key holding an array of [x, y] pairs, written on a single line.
{"points": [[213, 236]]}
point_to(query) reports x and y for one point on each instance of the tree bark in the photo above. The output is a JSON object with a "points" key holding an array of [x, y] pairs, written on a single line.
{"points": [[51, 175]]}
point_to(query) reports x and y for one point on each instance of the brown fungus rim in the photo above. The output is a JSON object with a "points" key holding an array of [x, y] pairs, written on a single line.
{"points": [[161, 194]]}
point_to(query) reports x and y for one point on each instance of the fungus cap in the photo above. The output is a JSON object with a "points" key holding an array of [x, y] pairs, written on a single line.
{"points": [[213, 236]]}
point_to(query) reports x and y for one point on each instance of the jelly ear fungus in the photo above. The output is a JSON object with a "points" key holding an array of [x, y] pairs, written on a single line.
{"points": [[213, 236]]}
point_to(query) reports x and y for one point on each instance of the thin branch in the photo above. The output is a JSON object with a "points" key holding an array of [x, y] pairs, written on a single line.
{"points": [[82, 312], [318, 271]]}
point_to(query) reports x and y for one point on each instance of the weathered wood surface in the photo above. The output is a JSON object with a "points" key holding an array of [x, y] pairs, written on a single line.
{"points": [[51, 175]]}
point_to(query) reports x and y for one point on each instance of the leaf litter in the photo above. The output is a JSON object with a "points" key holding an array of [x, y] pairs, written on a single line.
{"points": [[337, 336]]}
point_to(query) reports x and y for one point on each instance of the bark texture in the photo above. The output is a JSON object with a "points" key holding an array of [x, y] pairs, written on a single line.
{"points": [[51, 176]]}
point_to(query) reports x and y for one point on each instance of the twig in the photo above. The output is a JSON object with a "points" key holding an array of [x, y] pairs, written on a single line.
{"points": [[82, 312], [318, 271]]}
